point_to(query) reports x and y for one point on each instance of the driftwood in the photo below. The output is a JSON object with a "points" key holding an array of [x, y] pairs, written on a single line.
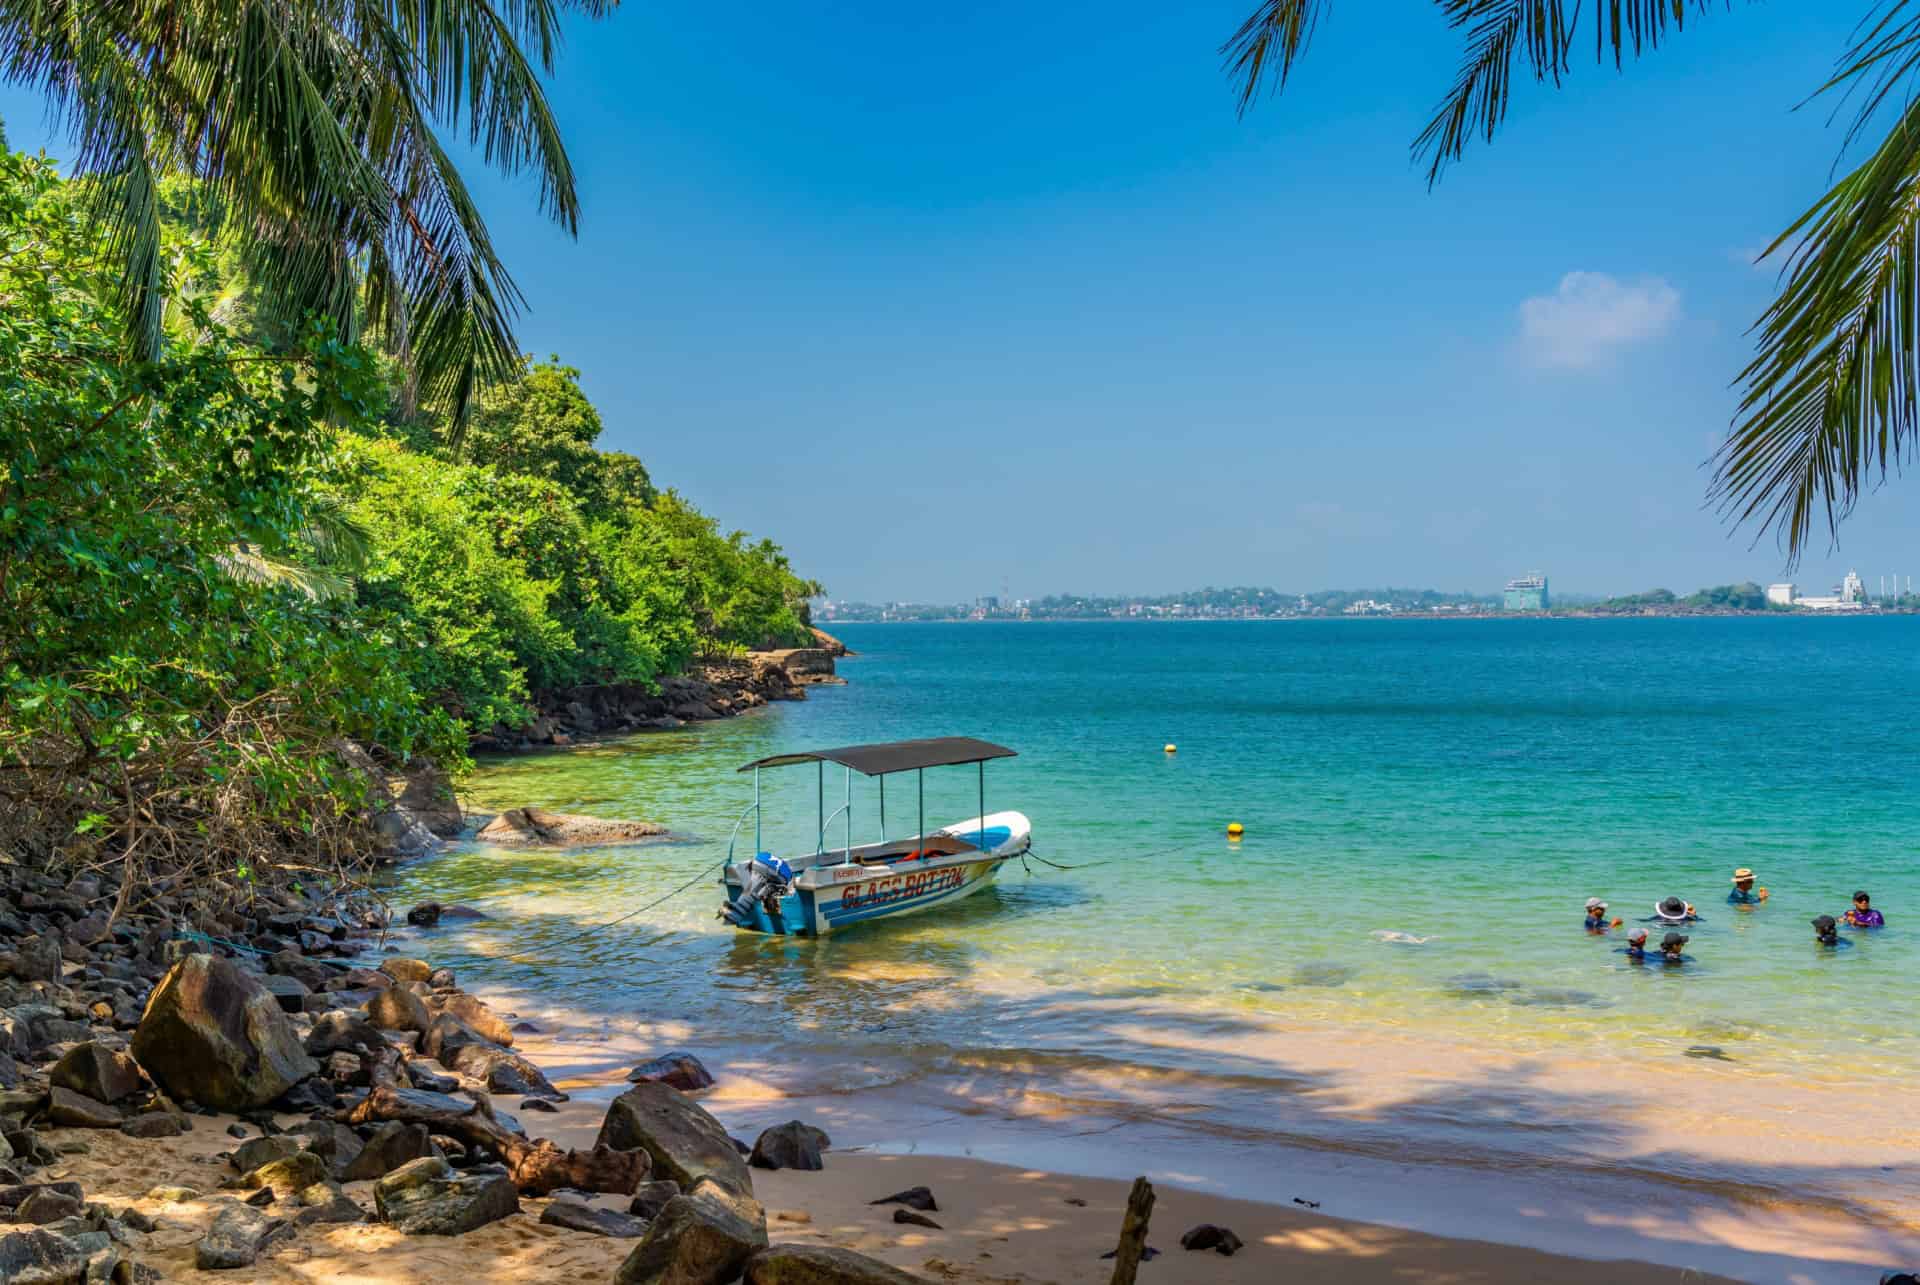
{"points": [[1133, 1232], [537, 1166]]}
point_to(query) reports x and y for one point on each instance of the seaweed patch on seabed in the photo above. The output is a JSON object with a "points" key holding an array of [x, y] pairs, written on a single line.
{"points": [[1323, 974], [1480, 985], [1557, 997]]}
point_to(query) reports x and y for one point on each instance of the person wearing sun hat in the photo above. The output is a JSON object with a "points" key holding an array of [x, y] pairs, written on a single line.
{"points": [[1744, 893], [1636, 948], [1596, 915], [1671, 910], [1672, 947]]}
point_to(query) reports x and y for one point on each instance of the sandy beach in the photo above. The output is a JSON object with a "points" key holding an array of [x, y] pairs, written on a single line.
{"points": [[999, 1225]]}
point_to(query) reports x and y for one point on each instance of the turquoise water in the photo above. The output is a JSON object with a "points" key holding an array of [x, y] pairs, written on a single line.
{"points": [[1471, 783]]}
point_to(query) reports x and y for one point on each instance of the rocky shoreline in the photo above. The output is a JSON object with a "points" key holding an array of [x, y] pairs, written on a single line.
{"points": [[344, 1084], [714, 688]]}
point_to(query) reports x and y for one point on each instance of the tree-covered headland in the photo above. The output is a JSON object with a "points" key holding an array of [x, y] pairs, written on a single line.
{"points": [[225, 557]]}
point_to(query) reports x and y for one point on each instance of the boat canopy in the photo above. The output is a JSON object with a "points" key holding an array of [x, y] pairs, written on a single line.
{"points": [[895, 756]]}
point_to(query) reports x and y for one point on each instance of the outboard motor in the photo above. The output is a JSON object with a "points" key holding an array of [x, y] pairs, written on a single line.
{"points": [[768, 879]]}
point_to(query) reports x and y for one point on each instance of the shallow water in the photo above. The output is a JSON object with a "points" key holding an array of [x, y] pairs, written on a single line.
{"points": [[1465, 783]]}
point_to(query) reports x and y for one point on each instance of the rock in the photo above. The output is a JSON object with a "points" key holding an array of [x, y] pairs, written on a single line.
{"points": [[168, 1195], [41, 1258], [36, 959], [212, 1034], [346, 1069], [537, 1104], [96, 1071], [322, 1203], [288, 1176], [920, 1198], [155, 1124], [404, 970], [792, 1145], [424, 915], [261, 1198], [309, 1095], [821, 1265], [335, 1144], [447, 1035], [528, 826], [576, 1216], [683, 1071], [343, 1032], [703, 1237], [392, 1145], [428, 796], [254, 1152], [649, 1198], [290, 991], [403, 833], [237, 1238], [426, 1197], [310, 973], [47, 1205], [916, 1219], [685, 1143], [1220, 1240], [398, 1009], [441, 979], [502, 1070], [476, 1015], [70, 1110]]}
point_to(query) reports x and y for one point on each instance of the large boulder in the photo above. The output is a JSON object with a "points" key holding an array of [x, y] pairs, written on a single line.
{"points": [[41, 1258], [339, 1031], [519, 827], [577, 1215], [501, 1070], [427, 1198], [288, 1176], [213, 1035], [792, 1145], [821, 1265], [69, 1110], [392, 1145], [446, 1035], [101, 1073], [685, 1143], [704, 1237], [238, 1236], [398, 1009], [475, 1014], [683, 1071], [428, 796]]}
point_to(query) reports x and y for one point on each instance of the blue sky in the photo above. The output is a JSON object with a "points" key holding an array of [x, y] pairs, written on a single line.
{"points": [[946, 299]]}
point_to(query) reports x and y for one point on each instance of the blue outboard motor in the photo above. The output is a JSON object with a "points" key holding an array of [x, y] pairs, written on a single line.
{"points": [[768, 879]]}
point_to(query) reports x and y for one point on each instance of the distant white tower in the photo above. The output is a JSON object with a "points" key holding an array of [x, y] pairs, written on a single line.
{"points": [[1852, 589]]}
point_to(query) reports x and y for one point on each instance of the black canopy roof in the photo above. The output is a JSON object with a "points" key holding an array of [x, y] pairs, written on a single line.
{"points": [[895, 756]]}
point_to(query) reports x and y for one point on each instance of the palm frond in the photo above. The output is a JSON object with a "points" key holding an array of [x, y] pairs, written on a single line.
{"points": [[246, 564], [336, 538], [1543, 33], [1832, 401], [1261, 54]]}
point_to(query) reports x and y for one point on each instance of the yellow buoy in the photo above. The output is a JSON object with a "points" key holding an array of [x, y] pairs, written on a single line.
{"points": [[1172, 748], [1235, 830]]}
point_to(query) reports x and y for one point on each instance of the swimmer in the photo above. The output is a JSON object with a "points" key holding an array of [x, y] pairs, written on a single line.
{"points": [[1596, 915], [1863, 915], [1744, 893], [1672, 910], [1398, 938], [1670, 947], [1827, 933], [1637, 945]]}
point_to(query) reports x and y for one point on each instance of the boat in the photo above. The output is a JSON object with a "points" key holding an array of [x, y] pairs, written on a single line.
{"points": [[831, 889]]}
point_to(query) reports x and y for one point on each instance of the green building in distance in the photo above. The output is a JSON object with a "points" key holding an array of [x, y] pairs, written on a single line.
{"points": [[1528, 593]]}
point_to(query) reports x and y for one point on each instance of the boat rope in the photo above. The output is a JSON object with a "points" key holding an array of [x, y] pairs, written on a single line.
{"points": [[641, 910], [1084, 865]]}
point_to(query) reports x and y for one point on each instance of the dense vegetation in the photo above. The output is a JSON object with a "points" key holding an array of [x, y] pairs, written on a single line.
{"points": [[220, 562]]}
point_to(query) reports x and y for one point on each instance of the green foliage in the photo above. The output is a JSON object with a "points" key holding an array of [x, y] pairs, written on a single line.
{"points": [[542, 424], [148, 694], [1746, 596]]}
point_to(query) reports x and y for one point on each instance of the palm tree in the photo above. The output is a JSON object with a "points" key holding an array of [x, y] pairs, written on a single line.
{"points": [[1831, 399], [313, 124]]}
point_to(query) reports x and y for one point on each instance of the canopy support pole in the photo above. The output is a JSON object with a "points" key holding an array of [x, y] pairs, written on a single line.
{"points": [[849, 811], [883, 808], [983, 802], [820, 824], [921, 776], [756, 812]]}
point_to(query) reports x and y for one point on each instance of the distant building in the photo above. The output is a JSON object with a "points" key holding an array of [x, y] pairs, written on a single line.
{"points": [[1780, 595], [1849, 595], [1528, 593]]}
